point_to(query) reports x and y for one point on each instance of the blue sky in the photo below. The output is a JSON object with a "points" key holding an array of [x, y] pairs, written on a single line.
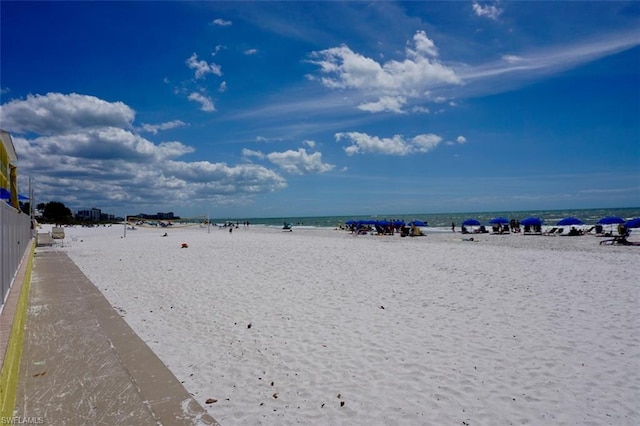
{"points": [[270, 109]]}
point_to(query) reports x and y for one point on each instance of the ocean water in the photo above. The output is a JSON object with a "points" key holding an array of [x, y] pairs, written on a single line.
{"points": [[550, 217]]}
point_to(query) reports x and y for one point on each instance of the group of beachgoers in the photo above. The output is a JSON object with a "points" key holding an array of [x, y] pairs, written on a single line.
{"points": [[497, 228], [384, 227], [392, 227]]}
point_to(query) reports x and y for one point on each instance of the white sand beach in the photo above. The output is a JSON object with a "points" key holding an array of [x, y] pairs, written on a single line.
{"points": [[319, 326]]}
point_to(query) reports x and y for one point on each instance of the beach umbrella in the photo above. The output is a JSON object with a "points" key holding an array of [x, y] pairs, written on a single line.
{"points": [[633, 223], [499, 221], [6, 195], [471, 222], [418, 223], [568, 221], [610, 220], [531, 221]]}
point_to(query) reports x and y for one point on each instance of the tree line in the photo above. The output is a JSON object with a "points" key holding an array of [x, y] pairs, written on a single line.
{"points": [[55, 211]]}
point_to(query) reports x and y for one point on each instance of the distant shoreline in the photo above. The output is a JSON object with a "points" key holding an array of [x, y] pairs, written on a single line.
{"points": [[589, 216]]}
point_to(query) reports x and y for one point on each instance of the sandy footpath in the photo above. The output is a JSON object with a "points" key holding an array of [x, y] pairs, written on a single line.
{"points": [[318, 326]]}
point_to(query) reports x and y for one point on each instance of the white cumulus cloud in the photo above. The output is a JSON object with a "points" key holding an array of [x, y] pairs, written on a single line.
{"points": [[362, 143], [392, 83], [299, 162], [84, 151], [60, 113]]}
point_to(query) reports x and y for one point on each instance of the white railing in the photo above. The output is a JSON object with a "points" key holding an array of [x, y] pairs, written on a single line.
{"points": [[15, 234]]}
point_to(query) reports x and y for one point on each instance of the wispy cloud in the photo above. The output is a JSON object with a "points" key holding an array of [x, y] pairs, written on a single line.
{"points": [[491, 11], [155, 128], [217, 49], [221, 22], [206, 104], [202, 67], [551, 59]]}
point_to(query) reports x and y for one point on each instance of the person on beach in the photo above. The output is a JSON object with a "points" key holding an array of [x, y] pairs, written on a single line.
{"points": [[453, 227]]}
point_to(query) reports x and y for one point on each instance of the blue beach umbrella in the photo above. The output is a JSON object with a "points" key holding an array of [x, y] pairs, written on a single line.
{"points": [[471, 222], [417, 223], [531, 221], [5, 194], [610, 220], [568, 221], [499, 221], [633, 223]]}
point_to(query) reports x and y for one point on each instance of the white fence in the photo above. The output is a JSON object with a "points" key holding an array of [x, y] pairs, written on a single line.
{"points": [[15, 234]]}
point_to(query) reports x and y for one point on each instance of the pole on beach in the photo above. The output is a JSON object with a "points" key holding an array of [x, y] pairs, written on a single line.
{"points": [[208, 224], [125, 227]]}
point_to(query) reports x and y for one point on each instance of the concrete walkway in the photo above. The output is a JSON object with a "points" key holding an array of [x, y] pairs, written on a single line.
{"points": [[83, 365]]}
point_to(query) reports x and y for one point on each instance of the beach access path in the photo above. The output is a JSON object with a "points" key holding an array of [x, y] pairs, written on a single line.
{"points": [[82, 363]]}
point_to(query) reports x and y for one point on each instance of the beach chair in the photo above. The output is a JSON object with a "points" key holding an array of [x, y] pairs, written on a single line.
{"points": [[43, 239], [551, 231], [57, 233], [619, 240]]}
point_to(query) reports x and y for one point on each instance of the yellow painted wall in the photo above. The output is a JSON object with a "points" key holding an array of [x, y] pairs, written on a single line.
{"points": [[4, 167], [11, 365]]}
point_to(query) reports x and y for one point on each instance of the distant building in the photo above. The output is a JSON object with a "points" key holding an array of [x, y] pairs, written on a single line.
{"points": [[107, 217], [92, 215], [157, 216], [160, 215]]}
